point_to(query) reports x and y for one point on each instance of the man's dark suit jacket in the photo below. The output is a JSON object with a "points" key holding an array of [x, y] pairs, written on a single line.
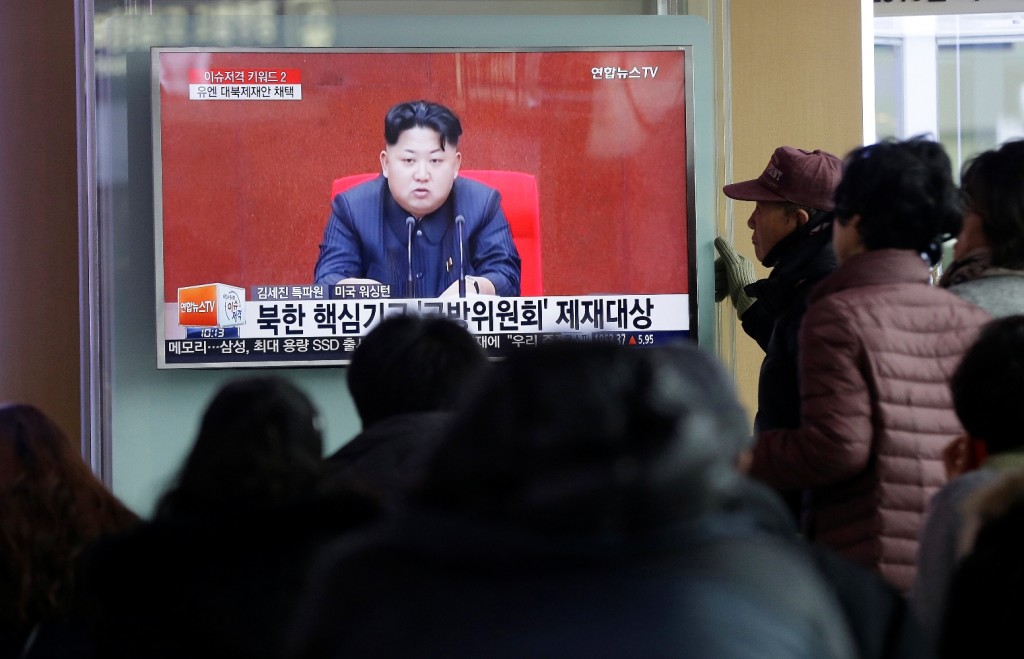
{"points": [[367, 236]]}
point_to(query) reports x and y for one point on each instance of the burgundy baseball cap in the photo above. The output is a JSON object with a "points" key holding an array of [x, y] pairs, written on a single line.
{"points": [[807, 178]]}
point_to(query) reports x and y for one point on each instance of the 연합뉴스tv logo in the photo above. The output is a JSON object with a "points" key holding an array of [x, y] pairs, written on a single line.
{"points": [[211, 305]]}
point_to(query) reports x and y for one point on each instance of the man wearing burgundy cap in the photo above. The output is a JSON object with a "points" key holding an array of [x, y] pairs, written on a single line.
{"points": [[792, 225]]}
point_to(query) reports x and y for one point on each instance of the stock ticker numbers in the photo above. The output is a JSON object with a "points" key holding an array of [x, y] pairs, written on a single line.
{"points": [[625, 339]]}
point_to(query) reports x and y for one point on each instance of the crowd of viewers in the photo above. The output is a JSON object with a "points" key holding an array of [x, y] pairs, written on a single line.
{"points": [[595, 500]]}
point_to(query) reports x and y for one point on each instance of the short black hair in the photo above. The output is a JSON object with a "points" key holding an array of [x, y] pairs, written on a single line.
{"points": [[992, 184], [988, 385], [411, 363], [422, 114], [905, 196]]}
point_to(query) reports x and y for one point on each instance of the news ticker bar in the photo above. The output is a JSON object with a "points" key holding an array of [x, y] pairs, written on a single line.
{"points": [[324, 331], [480, 315], [339, 349]]}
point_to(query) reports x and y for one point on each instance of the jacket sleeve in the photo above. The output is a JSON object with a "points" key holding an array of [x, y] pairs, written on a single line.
{"points": [[834, 440], [492, 253], [340, 250]]}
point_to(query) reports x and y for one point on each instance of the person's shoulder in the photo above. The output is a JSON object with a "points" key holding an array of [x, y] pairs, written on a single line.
{"points": [[1000, 295], [830, 298], [478, 202], [912, 306], [952, 495], [468, 187], [370, 189], [960, 311]]}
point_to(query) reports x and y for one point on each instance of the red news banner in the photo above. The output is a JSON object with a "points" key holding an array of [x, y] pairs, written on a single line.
{"points": [[230, 84]]}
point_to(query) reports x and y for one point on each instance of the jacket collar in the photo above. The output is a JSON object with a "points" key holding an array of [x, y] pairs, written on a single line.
{"points": [[873, 268], [818, 225]]}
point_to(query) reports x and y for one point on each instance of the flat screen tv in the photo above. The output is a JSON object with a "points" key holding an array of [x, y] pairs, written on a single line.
{"points": [[591, 149]]}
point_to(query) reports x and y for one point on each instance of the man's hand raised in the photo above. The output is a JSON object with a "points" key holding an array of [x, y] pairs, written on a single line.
{"points": [[732, 274]]}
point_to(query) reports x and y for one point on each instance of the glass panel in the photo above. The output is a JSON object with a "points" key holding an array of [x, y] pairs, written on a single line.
{"points": [[888, 89], [977, 95], [981, 95]]}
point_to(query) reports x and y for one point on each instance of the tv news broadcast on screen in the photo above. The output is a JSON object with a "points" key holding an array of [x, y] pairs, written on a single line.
{"points": [[288, 223]]}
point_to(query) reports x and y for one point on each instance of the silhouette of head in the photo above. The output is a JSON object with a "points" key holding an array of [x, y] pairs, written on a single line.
{"points": [[412, 364], [579, 437]]}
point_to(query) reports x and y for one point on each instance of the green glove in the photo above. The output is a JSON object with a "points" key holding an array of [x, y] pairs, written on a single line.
{"points": [[738, 273]]}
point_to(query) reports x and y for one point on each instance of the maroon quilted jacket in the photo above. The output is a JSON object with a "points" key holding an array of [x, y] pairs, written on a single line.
{"points": [[877, 348]]}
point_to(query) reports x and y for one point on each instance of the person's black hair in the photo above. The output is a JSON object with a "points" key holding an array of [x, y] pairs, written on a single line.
{"points": [[904, 194], [412, 363], [259, 447], [572, 438], [422, 114], [988, 386], [992, 184]]}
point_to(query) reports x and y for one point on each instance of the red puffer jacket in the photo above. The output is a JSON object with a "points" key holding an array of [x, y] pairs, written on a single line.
{"points": [[877, 348]]}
